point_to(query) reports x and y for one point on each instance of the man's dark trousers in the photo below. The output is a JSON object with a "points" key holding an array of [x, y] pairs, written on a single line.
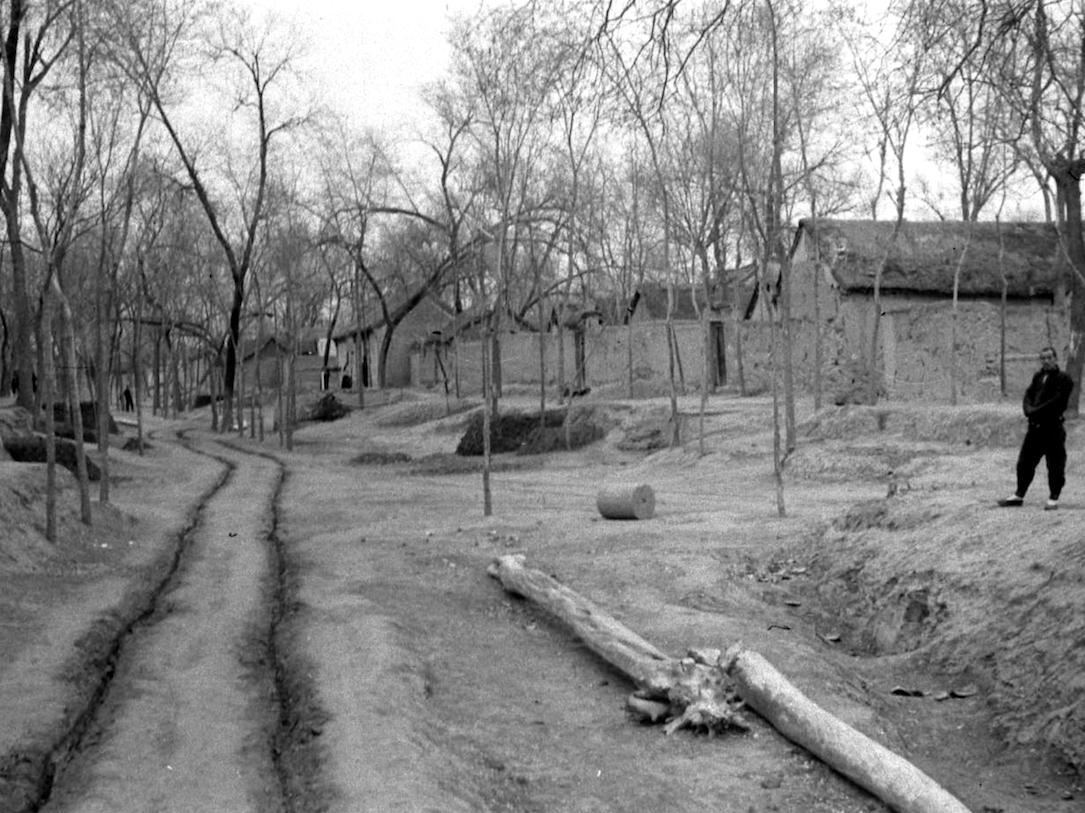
{"points": [[1043, 440]]}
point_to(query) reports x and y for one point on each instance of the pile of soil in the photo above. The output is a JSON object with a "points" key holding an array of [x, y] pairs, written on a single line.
{"points": [[528, 433], [648, 430], [415, 413], [841, 462], [23, 546], [328, 408], [975, 426], [380, 458], [32, 449]]}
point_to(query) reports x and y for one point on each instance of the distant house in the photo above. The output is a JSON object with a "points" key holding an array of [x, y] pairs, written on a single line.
{"points": [[264, 364], [428, 316], [835, 262], [690, 303], [650, 300]]}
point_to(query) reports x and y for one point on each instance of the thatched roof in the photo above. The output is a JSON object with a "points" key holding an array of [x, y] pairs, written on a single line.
{"points": [[925, 256]]}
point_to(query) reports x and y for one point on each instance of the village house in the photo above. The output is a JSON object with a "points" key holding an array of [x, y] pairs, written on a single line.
{"points": [[411, 333], [1008, 280], [264, 366], [607, 341]]}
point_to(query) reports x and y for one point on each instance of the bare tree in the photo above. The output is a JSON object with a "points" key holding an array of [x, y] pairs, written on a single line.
{"points": [[56, 231], [889, 76], [351, 170], [505, 70], [116, 153], [259, 63], [34, 40], [641, 86], [1033, 54]]}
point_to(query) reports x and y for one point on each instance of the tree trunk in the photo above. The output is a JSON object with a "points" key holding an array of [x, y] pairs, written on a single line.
{"points": [[230, 374], [1002, 310], [137, 370], [75, 411], [156, 364], [48, 386], [790, 431], [955, 316], [542, 365], [104, 358], [359, 338], [867, 763], [487, 420], [1067, 176], [606, 637], [24, 358]]}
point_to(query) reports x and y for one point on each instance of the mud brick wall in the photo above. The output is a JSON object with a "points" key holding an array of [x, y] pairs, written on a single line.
{"points": [[914, 345], [922, 359]]}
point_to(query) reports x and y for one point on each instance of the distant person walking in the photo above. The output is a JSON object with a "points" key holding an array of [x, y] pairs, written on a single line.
{"points": [[129, 403], [1044, 402]]}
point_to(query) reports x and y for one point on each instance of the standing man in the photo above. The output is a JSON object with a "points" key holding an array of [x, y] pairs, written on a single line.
{"points": [[1045, 401]]}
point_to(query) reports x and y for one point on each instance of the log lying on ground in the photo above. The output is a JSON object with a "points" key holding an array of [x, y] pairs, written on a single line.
{"points": [[682, 692], [626, 502], [605, 636], [872, 766], [706, 690]]}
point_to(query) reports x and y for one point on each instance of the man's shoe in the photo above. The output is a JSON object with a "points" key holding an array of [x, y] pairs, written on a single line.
{"points": [[1011, 501], [1051, 505]]}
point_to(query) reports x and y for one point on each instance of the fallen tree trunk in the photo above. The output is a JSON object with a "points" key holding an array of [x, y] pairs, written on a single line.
{"points": [[872, 766], [605, 636], [706, 690]]}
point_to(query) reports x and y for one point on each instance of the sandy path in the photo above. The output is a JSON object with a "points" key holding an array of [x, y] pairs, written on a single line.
{"points": [[188, 730]]}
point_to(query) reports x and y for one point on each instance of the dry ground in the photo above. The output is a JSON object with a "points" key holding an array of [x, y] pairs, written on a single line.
{"points": [[950, 631]]}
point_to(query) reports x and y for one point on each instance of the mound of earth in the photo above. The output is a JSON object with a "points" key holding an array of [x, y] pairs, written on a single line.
{"points": [[134, 444], [975, 426], [983, 594], [447, 464], [526, 433], [328, 408], [88, 411], [23, 546], [648, 430], [380, 458], [32, 449], [14, 422], [415, 413]]}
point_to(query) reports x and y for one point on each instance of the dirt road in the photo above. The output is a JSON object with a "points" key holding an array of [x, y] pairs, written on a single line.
{"points": [[187, 720]]}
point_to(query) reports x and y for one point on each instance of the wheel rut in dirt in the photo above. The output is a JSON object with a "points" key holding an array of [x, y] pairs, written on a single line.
{"points": [[194, 710], [103, 648]]}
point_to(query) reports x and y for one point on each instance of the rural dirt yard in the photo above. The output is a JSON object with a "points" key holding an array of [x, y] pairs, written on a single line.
{"points": [[254, 629]]}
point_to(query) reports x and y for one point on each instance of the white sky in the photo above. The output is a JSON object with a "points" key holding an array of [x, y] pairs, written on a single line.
{"points": [[370, 58]]}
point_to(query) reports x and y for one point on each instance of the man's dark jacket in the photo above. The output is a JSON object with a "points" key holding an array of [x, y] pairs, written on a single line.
{"points": [[1046, 397]]}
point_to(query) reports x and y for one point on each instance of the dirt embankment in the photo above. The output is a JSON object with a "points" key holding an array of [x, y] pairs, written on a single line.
{"points": [[935, 571]]}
